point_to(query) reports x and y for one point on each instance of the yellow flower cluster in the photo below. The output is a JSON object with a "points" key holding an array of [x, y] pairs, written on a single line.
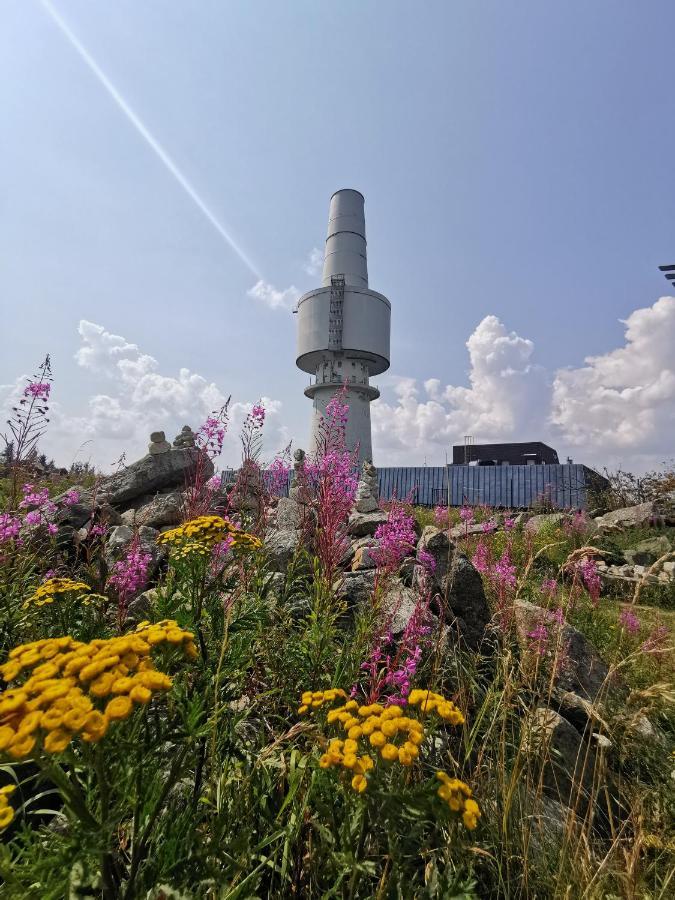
{"points": [[58, 701], [50, 589], [199, 536], [458, 797], [428, 701], [6, 810]]}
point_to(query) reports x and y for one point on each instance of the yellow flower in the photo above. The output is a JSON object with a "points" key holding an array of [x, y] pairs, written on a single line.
{"points": [[377, 739], [359, 783], [57, 741], [54, 587], [140, 694], [6, 815], [119, 708], [389, 752], [350, 746], [7, 735], [355, 732], [95, 727], [349, 760], [326, 761], [21, 746], [404, 757]]}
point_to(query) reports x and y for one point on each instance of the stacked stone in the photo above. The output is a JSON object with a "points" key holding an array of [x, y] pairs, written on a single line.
{"points": [[367, 492], [158, 443], [186, 439]]}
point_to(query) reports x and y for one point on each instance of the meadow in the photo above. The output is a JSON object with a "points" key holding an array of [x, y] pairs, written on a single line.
{"points": [[257, 733]]}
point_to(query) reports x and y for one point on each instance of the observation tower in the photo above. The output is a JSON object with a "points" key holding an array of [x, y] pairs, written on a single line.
{"points": [[344, 326]]}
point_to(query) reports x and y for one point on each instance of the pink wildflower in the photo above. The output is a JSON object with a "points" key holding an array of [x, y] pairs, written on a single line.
{"points": [[130, 575], [427, 560], [396, 538], [509, 524], [629, 620], [51, 528], [591, 578], [33, 517], [37, 389], [466, 515], [656, 641], [10, 526], [505, 571], [480, 557], [549, 587], [441, 516], [71, 497], [258, 413], [538, 638], [488, 527]]}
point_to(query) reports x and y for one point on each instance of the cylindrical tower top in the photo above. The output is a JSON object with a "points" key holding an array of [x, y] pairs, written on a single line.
{"points": [[346, 241]]}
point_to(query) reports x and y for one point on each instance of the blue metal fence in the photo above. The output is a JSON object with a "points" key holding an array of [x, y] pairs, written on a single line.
{"points": [[564, 486]]}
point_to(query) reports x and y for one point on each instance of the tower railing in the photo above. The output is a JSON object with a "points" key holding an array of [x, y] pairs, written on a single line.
{"points": [[337, 298]]}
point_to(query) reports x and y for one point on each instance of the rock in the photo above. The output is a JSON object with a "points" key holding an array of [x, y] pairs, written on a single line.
{"points": [[569, 766], [128, 517], [108, 515], [120, 539], [438, 545], [459, 583], [630, 516], [466, 595], [645, 553], [164, 509], [356, 588], [158, 443], [186, 438], [280, 547], [366, 504], [363, 559], [140, 608], [547, 520], [583, 671], [459, 531], [362, 524], [290, 514], [153, 473], [397, 606]]}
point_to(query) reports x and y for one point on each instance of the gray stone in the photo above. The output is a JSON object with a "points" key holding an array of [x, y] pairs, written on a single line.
{"points": [[366, 505], [645, 553], [185, 439], [280, 547], [362, 524], [289, 514], [120, 539], [140, 608], [157, 437], [546, 520], [363, 559], [397, 606], [164, 509], [161, 447], [153, 473], [356, 588], [438, 545], [128, 517], [630, 516], [459, 531], [569, 762], [465, 593], [583, 671]]}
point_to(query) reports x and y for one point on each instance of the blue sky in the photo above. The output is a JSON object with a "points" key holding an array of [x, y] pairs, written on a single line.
{"points": [[517, 163]]}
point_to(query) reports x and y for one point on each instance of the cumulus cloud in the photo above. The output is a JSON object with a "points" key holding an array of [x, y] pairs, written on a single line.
{"points": [[272, 297], [622, 403], [138, 399], [314, 262], [619, 408], [507, 393]]}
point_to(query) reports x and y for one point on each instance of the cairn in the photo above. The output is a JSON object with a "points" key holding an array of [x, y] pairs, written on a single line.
{"points": [[186, 439], [367, 492], [158, 443]]}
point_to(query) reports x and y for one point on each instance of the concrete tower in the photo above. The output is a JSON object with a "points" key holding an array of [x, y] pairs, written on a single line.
{"points": [[343, 326]]}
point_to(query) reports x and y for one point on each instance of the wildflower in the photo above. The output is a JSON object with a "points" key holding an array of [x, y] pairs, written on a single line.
{"points": [[538, 638], [38, 390], [466, 515], [441, 516], [629, 621], [6, 810], [199, 536], [427, 560], [52, 588], [396, 537], [480, 557], [591, 578], [129, 575], [509, 524], [10, 527], [488, 527], [504, 571], [549, 587], [258, 414], [71, 497], [656, 641], [458, 796], [62, 679], [211, 435]]}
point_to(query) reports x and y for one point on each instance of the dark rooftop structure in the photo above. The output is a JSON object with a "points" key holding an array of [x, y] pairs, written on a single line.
{"points": [[521, 454]]}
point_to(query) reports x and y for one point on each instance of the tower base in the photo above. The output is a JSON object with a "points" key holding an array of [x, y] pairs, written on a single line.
{"points": [[357, 430]]}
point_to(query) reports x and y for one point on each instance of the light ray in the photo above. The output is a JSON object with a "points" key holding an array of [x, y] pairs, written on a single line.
{"points": [[147, 135]]}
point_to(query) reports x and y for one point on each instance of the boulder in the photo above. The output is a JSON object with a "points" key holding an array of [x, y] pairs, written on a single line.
{"points": [[362, 524], [397, 606], [645, 553], [583, 671], [363, 559], [438, 545], [280, 547], [290, 514], [569, 763], [164, 509], [630, 516], [465, 593], [356, 588], [175, 468], [120, 539], [547, 520]]}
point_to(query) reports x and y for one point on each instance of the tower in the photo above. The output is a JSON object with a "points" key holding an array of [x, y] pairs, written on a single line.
{"points": [[343, 326]]}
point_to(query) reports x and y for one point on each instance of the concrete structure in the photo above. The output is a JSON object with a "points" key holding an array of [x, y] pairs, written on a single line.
{"points": [[343, 326]]}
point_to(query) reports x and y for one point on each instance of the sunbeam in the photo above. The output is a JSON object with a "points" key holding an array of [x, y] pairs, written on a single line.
{"points": [[147, 136]]}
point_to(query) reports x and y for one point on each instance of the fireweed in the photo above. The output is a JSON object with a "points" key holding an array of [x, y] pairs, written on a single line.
{"points": [[130, 575]]}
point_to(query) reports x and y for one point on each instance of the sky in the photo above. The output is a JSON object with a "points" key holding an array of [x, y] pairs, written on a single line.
{"points": [[166, 171]]}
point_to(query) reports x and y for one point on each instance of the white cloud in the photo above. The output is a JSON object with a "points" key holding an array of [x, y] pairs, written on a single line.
{"points": [[138, 399], [618, 409], [507, 394], [314, 262], [274, 298], [622, 403]]}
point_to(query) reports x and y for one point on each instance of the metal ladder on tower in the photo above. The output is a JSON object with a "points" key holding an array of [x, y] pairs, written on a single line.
{"points": [[337, 298]]}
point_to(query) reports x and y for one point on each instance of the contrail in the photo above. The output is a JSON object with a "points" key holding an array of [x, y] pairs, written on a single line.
{"points": [[148, 137]]}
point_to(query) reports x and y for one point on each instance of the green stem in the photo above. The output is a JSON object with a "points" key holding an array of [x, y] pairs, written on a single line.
{"points": [[359, 850]]}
